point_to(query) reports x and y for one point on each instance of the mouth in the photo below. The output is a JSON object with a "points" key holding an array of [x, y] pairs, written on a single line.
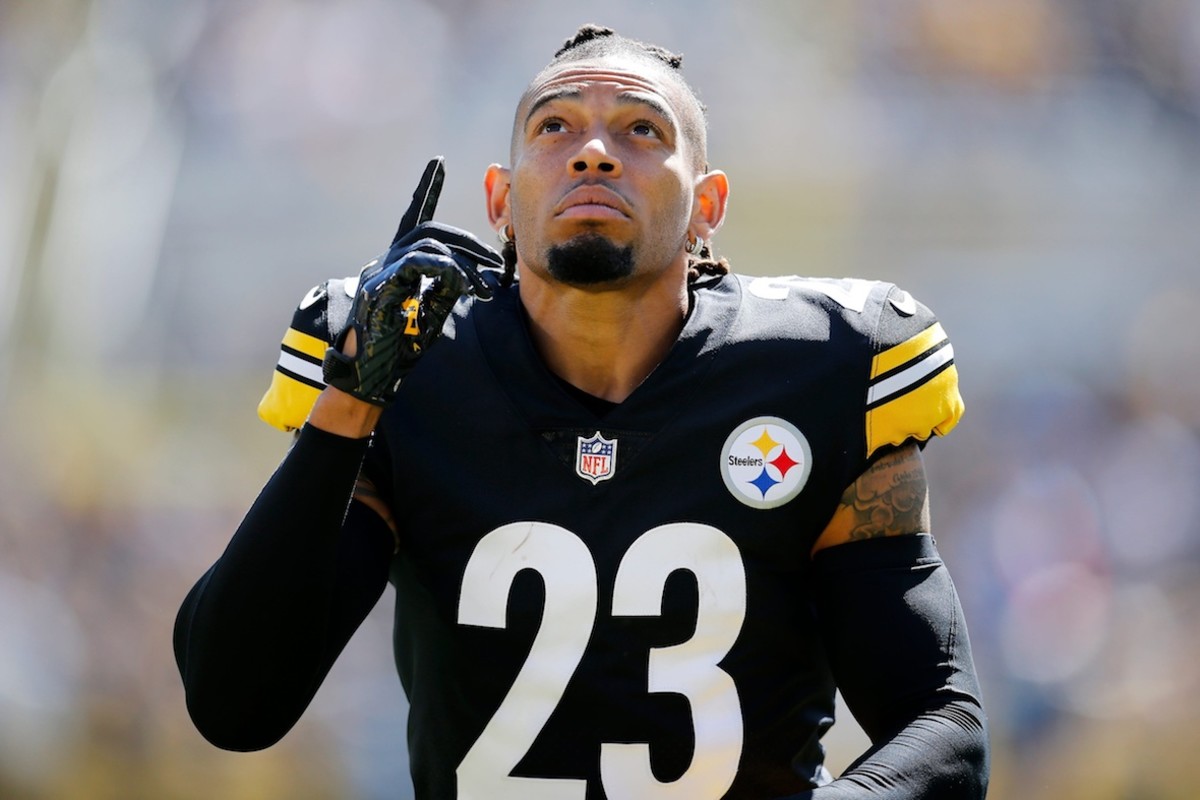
{"points": [[592, 201]]}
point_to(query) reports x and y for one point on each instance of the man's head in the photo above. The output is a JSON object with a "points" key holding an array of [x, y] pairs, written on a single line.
{"points": [[608, 179]]}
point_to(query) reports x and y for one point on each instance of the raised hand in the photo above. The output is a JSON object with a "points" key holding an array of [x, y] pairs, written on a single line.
{"points": [[404, 297]]}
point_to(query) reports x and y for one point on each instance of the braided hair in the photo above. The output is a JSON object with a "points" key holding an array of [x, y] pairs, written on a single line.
{"points": [[594, 41]]}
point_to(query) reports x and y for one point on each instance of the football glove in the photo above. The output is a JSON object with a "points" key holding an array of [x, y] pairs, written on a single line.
{"points": [[404, 297]]}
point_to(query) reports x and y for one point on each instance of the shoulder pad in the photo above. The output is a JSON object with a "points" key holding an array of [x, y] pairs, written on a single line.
{"points": [[909, 383], [912, 392], [298, 378]]}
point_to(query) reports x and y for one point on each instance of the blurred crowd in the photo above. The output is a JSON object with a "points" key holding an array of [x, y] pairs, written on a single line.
{"points": [[175, 175]]}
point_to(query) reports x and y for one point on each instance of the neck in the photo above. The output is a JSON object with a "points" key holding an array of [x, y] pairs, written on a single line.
{"points": [[605, 342]]}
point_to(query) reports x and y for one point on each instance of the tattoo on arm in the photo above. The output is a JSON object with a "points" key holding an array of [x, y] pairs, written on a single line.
{"points": [[890, 498]]}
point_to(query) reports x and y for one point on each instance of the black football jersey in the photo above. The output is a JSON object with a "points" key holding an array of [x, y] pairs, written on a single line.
{"points": [[618, 607]]}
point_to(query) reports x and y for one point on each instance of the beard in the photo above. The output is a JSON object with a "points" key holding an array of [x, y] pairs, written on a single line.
{"points": [[588, 260]]}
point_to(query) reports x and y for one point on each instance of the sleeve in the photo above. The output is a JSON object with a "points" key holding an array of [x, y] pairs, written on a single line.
{"points": [[259, 631], [298, 378], [898, 645], [912, 391]]}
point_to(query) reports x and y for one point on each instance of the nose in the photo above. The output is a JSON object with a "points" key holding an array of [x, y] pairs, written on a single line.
{"points": [[593, 157]]}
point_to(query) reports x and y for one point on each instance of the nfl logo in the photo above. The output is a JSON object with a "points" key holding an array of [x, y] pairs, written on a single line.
{"points": [[595, 458]]}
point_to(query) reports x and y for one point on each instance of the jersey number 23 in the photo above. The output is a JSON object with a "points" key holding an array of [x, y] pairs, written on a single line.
{"points": [[691, 668]]}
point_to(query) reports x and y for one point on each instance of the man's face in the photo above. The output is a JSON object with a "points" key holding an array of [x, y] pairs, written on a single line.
{"points": [[602, 184]]}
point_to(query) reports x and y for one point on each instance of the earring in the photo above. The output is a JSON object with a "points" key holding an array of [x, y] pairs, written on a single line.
{"points": [[694, 246], [504, 236]]}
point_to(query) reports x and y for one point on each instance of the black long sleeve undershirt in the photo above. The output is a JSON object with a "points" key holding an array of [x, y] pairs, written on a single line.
{"points": [[260, 630], [899, 650]]}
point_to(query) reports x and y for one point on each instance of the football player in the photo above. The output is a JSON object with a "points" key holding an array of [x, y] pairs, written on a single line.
{"points": [[643, 516]]}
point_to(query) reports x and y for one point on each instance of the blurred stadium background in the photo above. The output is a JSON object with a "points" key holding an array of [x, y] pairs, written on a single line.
{"points": [[176, 174]]}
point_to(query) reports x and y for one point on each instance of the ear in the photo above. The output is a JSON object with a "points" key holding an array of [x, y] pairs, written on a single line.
{"points": [[708, 211], [496, 182]]}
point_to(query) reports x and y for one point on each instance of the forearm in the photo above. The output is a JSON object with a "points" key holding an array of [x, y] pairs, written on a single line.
{"points": [[940, 754], [259, 631], [342, 414], [898, 645]]}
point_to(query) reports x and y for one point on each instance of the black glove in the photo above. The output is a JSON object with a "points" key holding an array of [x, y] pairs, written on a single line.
{"points": [[404, 297]]}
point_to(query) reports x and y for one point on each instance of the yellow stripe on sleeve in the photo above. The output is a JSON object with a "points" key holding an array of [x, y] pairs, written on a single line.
{"points": [[908, 350], [309, 345], [287, 402], [933, 407]]}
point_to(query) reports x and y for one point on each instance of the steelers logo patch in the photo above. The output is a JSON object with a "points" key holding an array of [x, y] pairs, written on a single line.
{"points": [[765, 462]]}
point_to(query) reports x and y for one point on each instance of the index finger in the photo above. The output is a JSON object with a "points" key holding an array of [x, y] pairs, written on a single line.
{"points": [[424, 199]]}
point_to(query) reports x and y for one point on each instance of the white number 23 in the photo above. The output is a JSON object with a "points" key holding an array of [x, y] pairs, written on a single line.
{"points": [[690, 668]]}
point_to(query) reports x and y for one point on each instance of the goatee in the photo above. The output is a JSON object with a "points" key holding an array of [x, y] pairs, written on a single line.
{"points": [[589, 259]]}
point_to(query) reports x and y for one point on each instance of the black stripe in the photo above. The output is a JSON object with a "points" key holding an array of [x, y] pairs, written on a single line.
{"points": [[300, 354], [300, 378], [883, 376], [912, 387]]}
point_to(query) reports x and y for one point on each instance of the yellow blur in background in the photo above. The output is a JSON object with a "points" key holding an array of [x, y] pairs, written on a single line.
{"points": [[175, 175]]}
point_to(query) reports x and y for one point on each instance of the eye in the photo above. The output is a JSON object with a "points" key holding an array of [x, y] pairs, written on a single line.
{"points": [[552, 125], [643, 128]]}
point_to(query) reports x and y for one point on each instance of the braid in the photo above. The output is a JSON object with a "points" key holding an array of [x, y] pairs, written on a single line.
{"points": [[706, 264], [586, 33], [509, 253], [608, 41]]}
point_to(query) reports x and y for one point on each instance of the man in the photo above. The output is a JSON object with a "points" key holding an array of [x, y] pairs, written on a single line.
{"points": [[642, 516]]}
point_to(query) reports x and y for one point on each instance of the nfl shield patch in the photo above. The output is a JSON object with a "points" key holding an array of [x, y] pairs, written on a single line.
{"points": [[596, 458]]}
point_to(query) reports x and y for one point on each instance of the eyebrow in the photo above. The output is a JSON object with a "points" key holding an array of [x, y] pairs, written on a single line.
{"points": [[550, 97], [624, 98], [627, 98]]}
